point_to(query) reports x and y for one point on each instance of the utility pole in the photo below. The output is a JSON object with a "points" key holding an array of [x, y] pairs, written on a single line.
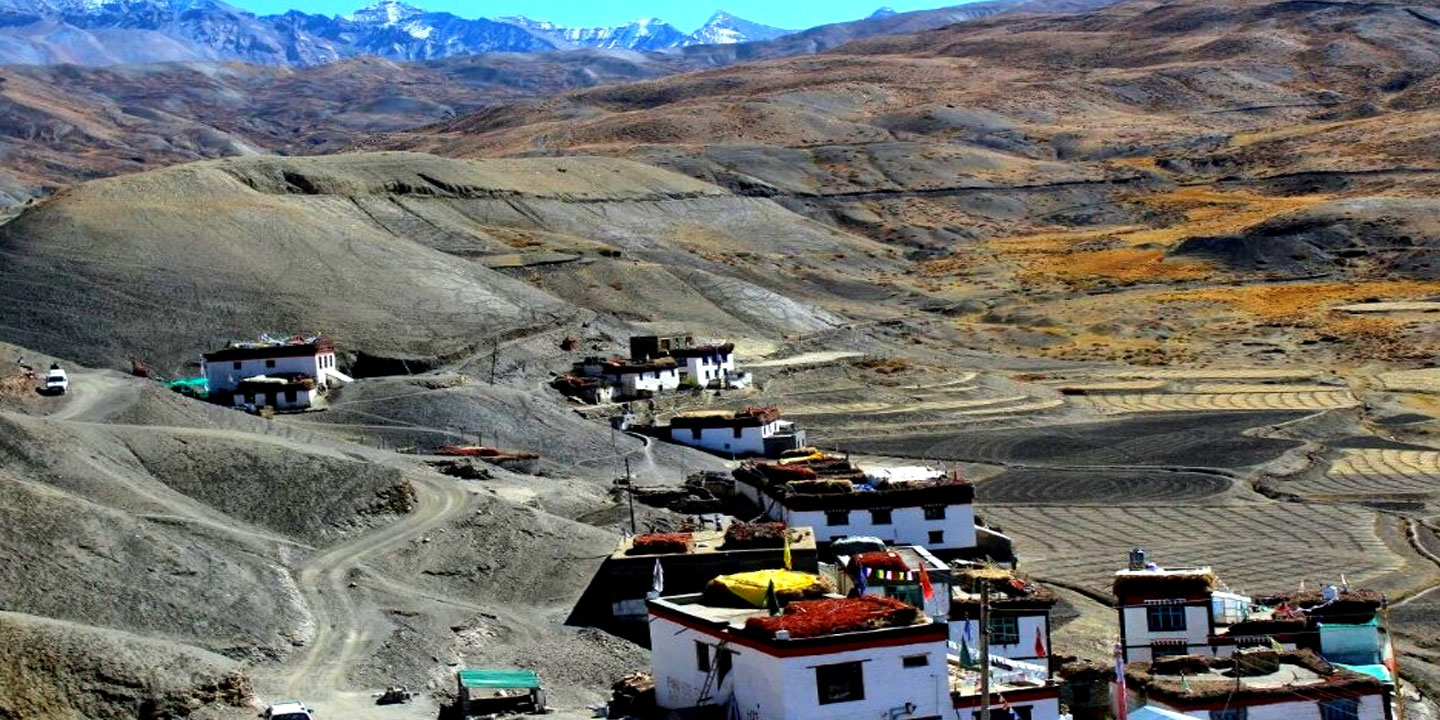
{"points": [[984, 650], [494, 358], [630, 490]]}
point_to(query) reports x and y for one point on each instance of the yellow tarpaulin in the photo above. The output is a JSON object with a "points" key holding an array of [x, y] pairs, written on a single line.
{"points": [[751, 586]]}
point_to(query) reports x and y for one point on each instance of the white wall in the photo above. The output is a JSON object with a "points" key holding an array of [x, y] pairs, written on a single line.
{"points": [[705, 369], [652, 380], [908, 526], [1138, 636], [723, 440], [222, 376], [771, 688], [1024, 650], [1372, 707], [1047, 709], [303, 399]]}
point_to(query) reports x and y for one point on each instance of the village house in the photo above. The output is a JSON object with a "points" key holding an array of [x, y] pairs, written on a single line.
{"points": [[285, 375], [709, 365], [1179, 611], [1257, 684], [689, 560], [735, 433], [895, 572], [1019, 617], [840, 501], [832, 658]]}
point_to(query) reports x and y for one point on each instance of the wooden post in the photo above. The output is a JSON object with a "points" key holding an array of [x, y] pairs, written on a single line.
{"points": [[984, 650]]}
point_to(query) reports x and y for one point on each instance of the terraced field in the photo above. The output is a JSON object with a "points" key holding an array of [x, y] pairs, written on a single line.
{"points": [[1255, 548], [1375, 473], [1054, 486], [1177, 440], [1311, 398], [1426, 380]]}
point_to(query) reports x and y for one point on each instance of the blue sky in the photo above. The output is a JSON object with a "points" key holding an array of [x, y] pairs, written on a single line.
{"points": [[586, 13]]}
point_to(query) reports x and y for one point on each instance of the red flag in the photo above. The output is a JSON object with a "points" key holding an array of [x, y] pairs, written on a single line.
{"points": [[926, 588], [1039, 644], [1006, 704]]}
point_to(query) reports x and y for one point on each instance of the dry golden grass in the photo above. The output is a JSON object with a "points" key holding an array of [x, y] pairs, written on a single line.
{"points": [[1300, 300]]}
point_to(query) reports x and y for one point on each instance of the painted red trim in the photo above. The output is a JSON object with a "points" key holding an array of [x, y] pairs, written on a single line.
{"points": [[803, 647]]}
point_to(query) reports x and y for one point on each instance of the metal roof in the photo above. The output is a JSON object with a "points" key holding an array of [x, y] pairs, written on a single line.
{"points": [[499, 679]]}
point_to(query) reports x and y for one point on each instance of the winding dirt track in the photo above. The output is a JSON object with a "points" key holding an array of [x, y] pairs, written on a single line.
{"points": [[324, 580]]}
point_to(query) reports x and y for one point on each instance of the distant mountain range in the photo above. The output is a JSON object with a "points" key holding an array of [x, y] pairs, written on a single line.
{"points": [[106, 32]]}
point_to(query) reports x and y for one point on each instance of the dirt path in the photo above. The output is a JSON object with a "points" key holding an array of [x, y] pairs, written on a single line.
{"points": [[320, 674]]}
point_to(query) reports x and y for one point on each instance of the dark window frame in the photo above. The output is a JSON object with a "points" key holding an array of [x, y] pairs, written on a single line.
{"points": [[915, 661], [877, 514], [1166, 618], [935, 512], [702, 657], [1008, 632], [840, 682], [935, 537], [832, 515]]}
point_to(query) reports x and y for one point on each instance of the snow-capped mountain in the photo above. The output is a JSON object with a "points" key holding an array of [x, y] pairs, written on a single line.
{"points": [[107, 32], [726, 29]]}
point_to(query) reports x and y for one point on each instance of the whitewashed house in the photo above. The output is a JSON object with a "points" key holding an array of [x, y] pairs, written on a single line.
{"points": [[1018, 691], [1179, 611], [706, 365], [935, 515], [1258, 684], [285, 375], [896, 573], [892, 664], [641, 378], [736, 433], [1020, 612]]}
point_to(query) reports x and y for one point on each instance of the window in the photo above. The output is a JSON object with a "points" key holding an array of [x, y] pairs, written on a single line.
{"points": [[724, 661], [837, 517], [880, 517], [702, 657], [841, 682], [738, 431], [1004, 631], [1340, 709], [1228, 714], [269, 363], [915, 661], [237, 365], [1165, 618], [290, 396], [695, 433], [936, 537], [935, 513]]}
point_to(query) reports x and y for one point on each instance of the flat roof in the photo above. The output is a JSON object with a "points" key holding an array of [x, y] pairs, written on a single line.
{"points": [[913, 555], [709, 542], [259, 351], [732, 621], [1192, 681]]}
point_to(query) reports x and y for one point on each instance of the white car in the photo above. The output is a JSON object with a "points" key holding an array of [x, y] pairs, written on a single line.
{"points": [[288, 710], [56, 381]]}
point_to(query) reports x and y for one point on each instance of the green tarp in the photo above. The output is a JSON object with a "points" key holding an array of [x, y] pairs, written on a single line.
{"points": [[499, 679]]}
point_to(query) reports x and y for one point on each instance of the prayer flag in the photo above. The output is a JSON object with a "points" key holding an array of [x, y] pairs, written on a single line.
{"points": [[1039, 644], [1275, 645], [657, 579], [1184, 683], [860, 578], [787, 550], [772, 603], [965, 659], [968, 633], [926, 588], [1122, 711]]}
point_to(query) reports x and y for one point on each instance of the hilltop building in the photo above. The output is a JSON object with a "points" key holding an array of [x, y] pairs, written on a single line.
{"points": [[1257, 684], [281, 374], [657, 364], [1020, 612], [735, 433], [689, 561], [840, 501], [1178, 611], [822, 659], [895, 572]]}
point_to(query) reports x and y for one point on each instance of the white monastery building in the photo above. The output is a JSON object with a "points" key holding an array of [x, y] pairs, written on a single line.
{"points": [[736, 433]]}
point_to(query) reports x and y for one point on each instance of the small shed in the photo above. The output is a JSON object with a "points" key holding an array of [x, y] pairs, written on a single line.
{"points": [[491, 691]]}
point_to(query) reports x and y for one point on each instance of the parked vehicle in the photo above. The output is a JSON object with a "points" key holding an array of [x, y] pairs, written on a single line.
{"points": [[57, 382], [289, 710]]}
